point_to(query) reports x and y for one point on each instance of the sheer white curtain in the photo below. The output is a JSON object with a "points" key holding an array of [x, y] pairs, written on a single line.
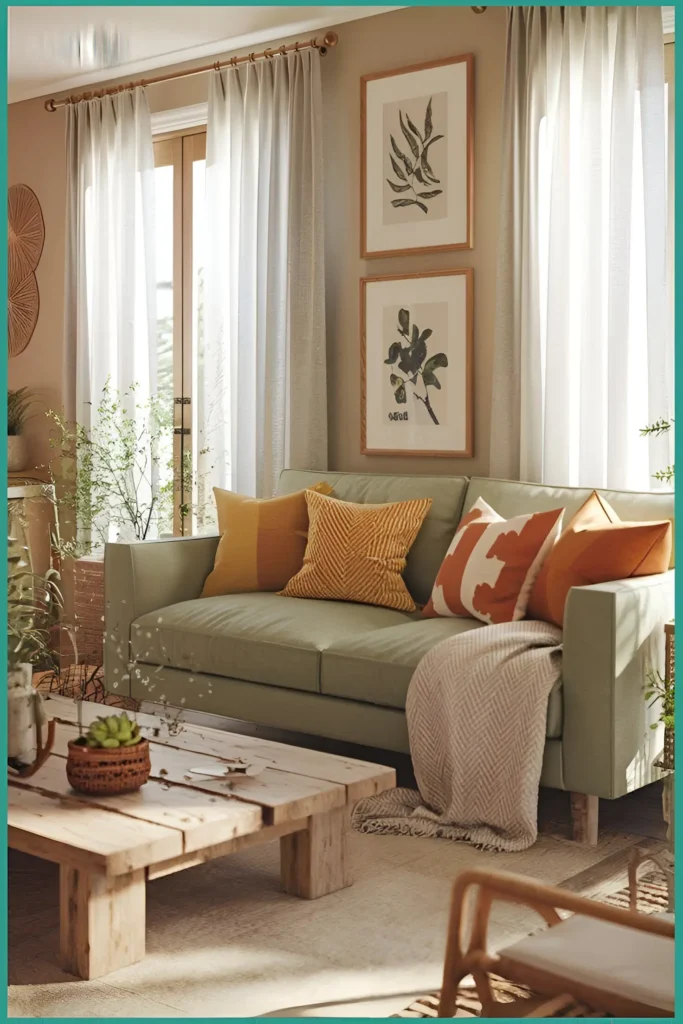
{"points": [[583, 348], [262, 387], [110, 323]]}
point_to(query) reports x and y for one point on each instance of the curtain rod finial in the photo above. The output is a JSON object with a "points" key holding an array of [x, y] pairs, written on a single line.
{"points": [[331, 39], [50, 106]]}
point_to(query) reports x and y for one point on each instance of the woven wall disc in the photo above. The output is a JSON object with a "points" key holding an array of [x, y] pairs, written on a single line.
{"points": [[25, 233], [23, 306]]}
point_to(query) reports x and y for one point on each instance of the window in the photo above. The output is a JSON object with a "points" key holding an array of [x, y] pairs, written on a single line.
{"points": [[180, 161]]}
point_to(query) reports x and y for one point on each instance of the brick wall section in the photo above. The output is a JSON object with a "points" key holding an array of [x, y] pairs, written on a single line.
{"points": [[89, 608]]}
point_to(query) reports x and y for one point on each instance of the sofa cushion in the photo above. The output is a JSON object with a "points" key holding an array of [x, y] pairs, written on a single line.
{"points": [[436, 533], [511, 498], [262, 638], [376, 667]]}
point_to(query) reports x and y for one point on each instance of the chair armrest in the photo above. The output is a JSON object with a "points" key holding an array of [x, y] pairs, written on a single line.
{"points": [[141, 577], [613, 636]]}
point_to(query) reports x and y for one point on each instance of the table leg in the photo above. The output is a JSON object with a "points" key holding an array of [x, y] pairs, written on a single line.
{"points": [[313, 862], [102, 921]]}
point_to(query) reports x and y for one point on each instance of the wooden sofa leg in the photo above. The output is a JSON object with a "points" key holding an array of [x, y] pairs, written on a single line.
{"points": [[584, 818]]}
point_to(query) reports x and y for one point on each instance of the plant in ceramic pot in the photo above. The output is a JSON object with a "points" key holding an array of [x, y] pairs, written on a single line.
{"points": [[30, 602], [18, 404]]}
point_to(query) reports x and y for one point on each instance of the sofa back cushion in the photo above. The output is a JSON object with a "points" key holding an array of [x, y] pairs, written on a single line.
{"points": [[428, 551], [512, 498]]}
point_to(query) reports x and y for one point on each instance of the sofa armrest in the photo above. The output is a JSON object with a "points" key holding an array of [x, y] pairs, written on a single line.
{"points": [[141, 577], [613, 636]]}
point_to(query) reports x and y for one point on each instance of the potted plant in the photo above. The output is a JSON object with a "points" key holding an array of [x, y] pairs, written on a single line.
{"points": [[111, 757], [30, 602], [18, 404]]}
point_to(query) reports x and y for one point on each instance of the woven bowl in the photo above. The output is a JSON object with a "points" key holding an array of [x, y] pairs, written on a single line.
{"points": [[108, 772]]}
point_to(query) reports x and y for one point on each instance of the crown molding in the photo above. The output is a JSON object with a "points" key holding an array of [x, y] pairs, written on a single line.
{"points": [[133, 69]]}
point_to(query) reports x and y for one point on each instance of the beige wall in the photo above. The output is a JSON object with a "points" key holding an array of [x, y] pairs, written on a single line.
{"points": [[36, 159], [396, 39]]}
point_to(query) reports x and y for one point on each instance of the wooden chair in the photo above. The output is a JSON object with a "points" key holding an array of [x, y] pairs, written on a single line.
{"points": [[611, 960]]}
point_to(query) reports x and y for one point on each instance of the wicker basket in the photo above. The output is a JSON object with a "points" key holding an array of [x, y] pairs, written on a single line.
{"points": [[108, 772]]}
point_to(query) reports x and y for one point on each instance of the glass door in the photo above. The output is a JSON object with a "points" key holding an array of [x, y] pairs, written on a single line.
{"points": [[180, 160]]}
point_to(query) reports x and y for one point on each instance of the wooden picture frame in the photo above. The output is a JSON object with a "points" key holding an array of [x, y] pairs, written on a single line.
{"points": [[410, 393], [439, 95]]}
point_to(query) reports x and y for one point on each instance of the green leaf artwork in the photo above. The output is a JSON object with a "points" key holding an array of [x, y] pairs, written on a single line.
{"points": [[417, 372], [416, 167]]}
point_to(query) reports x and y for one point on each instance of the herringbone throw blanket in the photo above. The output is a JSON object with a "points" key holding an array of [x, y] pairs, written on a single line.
{"points": [[476, 710]]}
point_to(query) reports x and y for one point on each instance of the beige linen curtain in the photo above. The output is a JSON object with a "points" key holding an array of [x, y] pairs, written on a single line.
{"points": [[583, 345], [262, 387]]}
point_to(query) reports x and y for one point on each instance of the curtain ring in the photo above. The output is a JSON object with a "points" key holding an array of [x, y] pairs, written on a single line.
{"points": [[217, 66], [252, 58], [233, 62], [267, 53], [296, 47], [283, 50]]}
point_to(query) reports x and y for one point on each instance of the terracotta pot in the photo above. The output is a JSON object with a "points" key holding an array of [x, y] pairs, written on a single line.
{"points": [[17, 453]]}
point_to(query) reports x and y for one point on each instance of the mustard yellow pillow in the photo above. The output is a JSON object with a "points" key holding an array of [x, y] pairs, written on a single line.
{"points": [[262, 543], [358, 552]]}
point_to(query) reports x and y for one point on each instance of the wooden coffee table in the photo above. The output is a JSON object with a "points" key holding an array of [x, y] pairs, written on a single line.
{"points": [[109, 847]]}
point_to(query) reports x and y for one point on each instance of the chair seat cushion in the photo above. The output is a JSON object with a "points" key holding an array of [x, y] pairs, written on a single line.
{"points": [[258, 637], [376, 666], [633, 964]]}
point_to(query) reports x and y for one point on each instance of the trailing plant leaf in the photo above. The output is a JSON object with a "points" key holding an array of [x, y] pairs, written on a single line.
{"points": [[408, 202], [401, 155], [427, 170], [414, 148], [398, 188], [394, 352], [18, 404], [404, 321], [428, 119], [412, 127], [440, 359], [397, 170]]}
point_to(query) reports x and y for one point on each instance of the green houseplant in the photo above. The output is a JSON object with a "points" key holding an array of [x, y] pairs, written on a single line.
{"points": [[661, 689], [18, 405], [31, 600]]}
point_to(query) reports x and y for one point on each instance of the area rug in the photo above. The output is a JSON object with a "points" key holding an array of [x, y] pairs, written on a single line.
{"points": [[652, 899]]}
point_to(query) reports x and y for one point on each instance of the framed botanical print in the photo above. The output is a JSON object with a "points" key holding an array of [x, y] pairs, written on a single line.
{"points": [[416, 158], [416, 364]]}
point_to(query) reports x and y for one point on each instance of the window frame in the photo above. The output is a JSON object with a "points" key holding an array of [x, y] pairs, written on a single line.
{"points": [[180, 149]]}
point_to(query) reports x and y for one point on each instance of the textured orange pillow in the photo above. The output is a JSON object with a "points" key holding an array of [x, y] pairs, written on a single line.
{"points": [[597, 547], [262, 543], [491, 564], [358, 552]]}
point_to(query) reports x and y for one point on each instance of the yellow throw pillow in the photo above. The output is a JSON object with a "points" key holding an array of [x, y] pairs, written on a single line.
{"points": [[358, 552], [262, 543]]}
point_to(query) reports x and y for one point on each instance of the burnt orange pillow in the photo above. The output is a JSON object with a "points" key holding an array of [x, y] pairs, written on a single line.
{"points": [[263, 541], [597, 547]]}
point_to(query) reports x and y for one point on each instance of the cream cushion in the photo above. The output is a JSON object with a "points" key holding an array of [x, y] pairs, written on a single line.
{"points": [[633, 964]]}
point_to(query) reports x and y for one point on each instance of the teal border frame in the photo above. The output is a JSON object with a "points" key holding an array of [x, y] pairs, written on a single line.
{"points": [[3, 391]]}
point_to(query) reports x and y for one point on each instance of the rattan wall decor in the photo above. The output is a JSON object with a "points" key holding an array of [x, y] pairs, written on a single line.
{"points": [[25, 238]]}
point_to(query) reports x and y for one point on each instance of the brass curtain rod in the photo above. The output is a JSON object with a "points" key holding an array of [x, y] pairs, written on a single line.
{"points": [[329, 39]]}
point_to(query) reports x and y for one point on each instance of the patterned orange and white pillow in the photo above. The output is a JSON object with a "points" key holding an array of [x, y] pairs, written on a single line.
{"points": [[492, 564]]}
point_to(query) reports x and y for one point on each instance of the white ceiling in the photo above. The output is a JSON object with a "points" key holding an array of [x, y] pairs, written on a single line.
{"points": [[43, 41]]}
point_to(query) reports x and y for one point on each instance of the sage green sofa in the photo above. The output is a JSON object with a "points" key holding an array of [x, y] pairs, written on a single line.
{"points": [[342, 670]]}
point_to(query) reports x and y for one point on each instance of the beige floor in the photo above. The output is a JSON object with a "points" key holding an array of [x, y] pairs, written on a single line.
{"points": [[224, 941]]}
